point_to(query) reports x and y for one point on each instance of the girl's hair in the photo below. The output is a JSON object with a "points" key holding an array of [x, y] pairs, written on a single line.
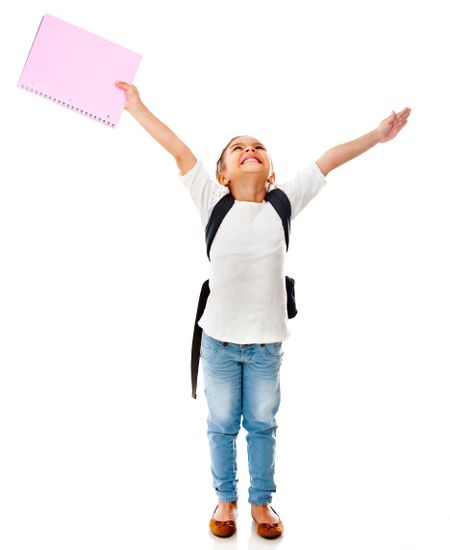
{"points": [[220, 161]]}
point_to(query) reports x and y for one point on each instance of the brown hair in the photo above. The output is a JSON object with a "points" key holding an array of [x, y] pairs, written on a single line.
{"points": [[220, 160]]}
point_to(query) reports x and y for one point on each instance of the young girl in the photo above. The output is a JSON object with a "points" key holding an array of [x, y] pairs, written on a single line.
{"points": [[245, 318]]}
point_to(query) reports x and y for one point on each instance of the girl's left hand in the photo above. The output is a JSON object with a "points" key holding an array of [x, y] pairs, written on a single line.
{"points": [[391, 126]]}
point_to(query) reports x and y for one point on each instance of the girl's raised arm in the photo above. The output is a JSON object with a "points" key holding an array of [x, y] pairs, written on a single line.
{"points": [[183, 156]]}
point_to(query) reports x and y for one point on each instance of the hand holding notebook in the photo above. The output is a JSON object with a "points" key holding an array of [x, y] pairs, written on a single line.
{"points": [[133, 100], [78, 70]]}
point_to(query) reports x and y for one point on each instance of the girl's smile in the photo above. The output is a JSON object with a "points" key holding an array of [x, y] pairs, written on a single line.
{"points": [[251, 159]]}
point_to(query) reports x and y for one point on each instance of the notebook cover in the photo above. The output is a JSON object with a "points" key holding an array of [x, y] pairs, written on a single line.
{"points": [[78, 69]]}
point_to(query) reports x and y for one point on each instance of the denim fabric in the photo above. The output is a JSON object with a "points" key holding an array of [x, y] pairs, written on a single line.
{"points": [[242, 380]]}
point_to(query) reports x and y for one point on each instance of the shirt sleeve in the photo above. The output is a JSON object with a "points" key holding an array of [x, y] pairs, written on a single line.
{"points": [[205, 192], [303, 187]]}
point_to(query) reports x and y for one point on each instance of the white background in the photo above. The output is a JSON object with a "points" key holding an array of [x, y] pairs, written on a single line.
{"points": [[103, 255]]}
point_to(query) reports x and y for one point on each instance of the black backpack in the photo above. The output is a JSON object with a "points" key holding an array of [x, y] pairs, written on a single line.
{"points": [[279, 200]]}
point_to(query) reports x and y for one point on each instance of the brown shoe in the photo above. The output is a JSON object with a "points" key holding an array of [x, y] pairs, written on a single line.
{"points": [[270, 530], [222, 528]]}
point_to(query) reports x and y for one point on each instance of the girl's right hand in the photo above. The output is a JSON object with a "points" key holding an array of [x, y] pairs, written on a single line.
{"points": [[132, 95]]}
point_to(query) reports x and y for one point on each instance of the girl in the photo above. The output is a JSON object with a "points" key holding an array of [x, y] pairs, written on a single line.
{"points": [[245, 318]]}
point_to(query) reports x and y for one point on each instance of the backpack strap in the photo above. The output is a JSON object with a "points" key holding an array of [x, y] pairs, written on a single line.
{"points": [[279, 200], [218, 213], [197, 337]]}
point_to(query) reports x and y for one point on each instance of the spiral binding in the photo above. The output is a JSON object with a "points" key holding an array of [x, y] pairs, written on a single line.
{"points": [[69, 106]]}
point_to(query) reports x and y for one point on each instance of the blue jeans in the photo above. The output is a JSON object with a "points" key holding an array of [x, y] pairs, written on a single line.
{"points": [[242, 379]]}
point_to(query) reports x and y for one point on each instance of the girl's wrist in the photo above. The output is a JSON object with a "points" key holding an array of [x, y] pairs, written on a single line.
{"points": [[137, 108]]}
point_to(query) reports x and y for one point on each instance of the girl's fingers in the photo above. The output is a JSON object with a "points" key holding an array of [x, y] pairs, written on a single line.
{"points": [[403, 115]]}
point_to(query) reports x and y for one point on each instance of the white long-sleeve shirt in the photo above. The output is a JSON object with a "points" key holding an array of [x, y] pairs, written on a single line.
{"points": [[247, 303]]}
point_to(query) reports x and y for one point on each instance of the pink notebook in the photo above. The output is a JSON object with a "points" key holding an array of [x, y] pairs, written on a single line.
{"points": [[78, 70]]}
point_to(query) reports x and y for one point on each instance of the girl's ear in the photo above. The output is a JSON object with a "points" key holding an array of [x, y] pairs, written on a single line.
{"points": [[222, 179]]}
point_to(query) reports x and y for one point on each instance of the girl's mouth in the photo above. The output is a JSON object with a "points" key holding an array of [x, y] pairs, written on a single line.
{"points": [[253, 161]]}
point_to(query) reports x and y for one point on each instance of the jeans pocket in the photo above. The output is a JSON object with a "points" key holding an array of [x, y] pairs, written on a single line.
{"points": [[209, 346], [274, 349]]}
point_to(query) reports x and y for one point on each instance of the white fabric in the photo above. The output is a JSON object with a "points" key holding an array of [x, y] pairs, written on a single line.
{"points": [[248, 303]]}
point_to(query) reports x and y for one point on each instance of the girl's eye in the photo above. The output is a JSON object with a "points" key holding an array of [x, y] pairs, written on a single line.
{"points": [[239, 147]]}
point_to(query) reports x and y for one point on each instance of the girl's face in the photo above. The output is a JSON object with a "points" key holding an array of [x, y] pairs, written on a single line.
{"points": [[247, 154]]}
